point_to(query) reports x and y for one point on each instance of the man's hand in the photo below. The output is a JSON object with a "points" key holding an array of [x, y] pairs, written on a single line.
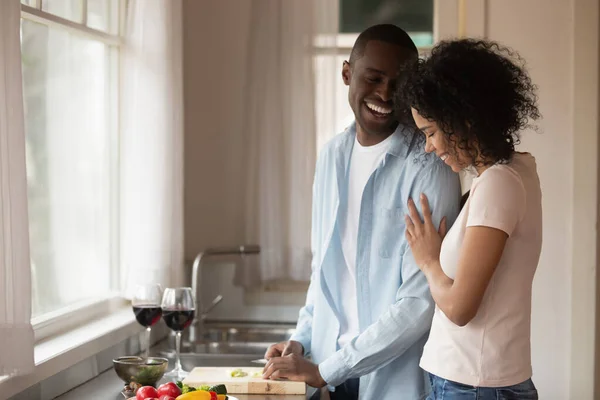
{"points": [[284, 349], [295, 368]]}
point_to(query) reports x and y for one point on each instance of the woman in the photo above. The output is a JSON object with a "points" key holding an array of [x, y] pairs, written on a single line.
{"points": [[471, 99]]}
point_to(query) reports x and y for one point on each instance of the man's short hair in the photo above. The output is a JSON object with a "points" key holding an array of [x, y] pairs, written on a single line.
{"points": [[385, 33]]}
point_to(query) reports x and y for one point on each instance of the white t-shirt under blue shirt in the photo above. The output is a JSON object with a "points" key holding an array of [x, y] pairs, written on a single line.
{"points": [[363, 162]]}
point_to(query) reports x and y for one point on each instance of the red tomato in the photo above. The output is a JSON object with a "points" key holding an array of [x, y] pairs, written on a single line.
{"points": [[169, 389], [146, 393], [213, 396], [165, 397]]}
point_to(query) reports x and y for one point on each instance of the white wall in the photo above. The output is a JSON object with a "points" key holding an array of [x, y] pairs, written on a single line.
{"points": [[215, 35], [545, 41]]}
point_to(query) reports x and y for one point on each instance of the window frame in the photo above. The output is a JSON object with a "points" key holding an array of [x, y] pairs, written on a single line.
{"points": [[67, 318], [35, 14], [344, 43]]}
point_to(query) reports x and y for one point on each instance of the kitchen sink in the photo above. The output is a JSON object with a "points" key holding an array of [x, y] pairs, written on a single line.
{"points": [[254, 348], [241, 333], [223, 332], [190, 361], [217, 340]]}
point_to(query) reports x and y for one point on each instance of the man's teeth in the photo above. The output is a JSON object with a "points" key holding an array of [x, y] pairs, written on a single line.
{"points": [[378, 109], [444, 156]]}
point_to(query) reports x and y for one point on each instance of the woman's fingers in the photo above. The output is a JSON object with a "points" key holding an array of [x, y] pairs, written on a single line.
{"points": [[409, 227], [426, 210], [414, 216], [443, 228]]}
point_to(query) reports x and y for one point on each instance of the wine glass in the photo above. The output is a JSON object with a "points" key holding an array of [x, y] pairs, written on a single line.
{"points": [[178, 312], [146, 307]]}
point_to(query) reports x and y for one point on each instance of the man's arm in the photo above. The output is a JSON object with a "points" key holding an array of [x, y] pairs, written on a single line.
{"points": [[300, 342], [409, 318], [303, 331]]}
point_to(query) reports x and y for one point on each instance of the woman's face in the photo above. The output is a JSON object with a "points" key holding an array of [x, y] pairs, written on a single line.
{"points": [[436, 141]]}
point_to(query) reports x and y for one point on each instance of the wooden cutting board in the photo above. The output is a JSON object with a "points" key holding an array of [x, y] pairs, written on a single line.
{"points": [[244, 385]]}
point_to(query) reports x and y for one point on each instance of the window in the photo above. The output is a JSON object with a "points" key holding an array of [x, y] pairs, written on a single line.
{"points": [[414, 16], [70, 51], [354, 16]]}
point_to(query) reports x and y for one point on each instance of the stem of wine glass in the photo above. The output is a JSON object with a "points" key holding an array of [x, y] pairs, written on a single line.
{"points": [[147, 352], [177, 350]]}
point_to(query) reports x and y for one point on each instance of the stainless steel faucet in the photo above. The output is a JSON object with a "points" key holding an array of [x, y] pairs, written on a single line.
{"points": [[201, 312]]}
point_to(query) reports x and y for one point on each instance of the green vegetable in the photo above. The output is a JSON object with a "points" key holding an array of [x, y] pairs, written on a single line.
{"points": [[185, 388], [238, 373], [206, 388], [148, 374], [218, 389]]}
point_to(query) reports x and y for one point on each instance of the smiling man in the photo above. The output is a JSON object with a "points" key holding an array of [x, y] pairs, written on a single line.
{"points": [[368, 307]]}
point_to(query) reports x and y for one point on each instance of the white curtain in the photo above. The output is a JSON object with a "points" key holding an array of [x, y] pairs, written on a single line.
{"points": [[152, 144], [282, 131], [333, 113], [280, 141], [16, 333]]}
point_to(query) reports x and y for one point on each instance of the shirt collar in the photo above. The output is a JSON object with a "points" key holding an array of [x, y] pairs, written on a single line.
{"points": [[403, 140]]}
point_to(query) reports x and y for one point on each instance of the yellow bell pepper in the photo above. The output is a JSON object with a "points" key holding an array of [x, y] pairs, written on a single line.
{"points": [[197, 395], [221, 396]]}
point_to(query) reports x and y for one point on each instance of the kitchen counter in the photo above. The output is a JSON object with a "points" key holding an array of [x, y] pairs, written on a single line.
{"points": [[107, 386]]}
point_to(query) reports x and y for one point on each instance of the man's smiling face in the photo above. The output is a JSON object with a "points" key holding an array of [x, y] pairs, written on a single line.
{"points": [[372, 79]]}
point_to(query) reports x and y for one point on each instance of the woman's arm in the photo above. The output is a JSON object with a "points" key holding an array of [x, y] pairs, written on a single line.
{"points": [[480, 253], [495, 209]]}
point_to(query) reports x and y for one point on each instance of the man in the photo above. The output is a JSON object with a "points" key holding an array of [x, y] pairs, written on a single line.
{"points": [[368, 308]]}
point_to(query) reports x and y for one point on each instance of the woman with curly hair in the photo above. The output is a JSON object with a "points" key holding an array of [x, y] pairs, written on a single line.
{"points": [[470, 99]]}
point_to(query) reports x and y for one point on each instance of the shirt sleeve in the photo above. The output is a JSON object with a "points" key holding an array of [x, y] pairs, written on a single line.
{"points": [[497, 200], [303, 332]]}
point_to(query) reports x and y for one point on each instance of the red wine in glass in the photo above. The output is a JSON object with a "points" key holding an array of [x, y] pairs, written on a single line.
{"points": [[178, 319], [178, 313], [146, 307], [147, 315]]}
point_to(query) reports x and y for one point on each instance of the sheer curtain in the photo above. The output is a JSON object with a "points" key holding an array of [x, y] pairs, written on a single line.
{"points": [[281, 137], [333, 113], [152, 144], [16, 333]]}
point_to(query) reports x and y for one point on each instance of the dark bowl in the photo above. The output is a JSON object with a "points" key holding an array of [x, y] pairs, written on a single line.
{"points": [[145, 371]]}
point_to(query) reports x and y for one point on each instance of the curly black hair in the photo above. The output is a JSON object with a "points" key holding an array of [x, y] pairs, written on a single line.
{"points": [[477, 91]]}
